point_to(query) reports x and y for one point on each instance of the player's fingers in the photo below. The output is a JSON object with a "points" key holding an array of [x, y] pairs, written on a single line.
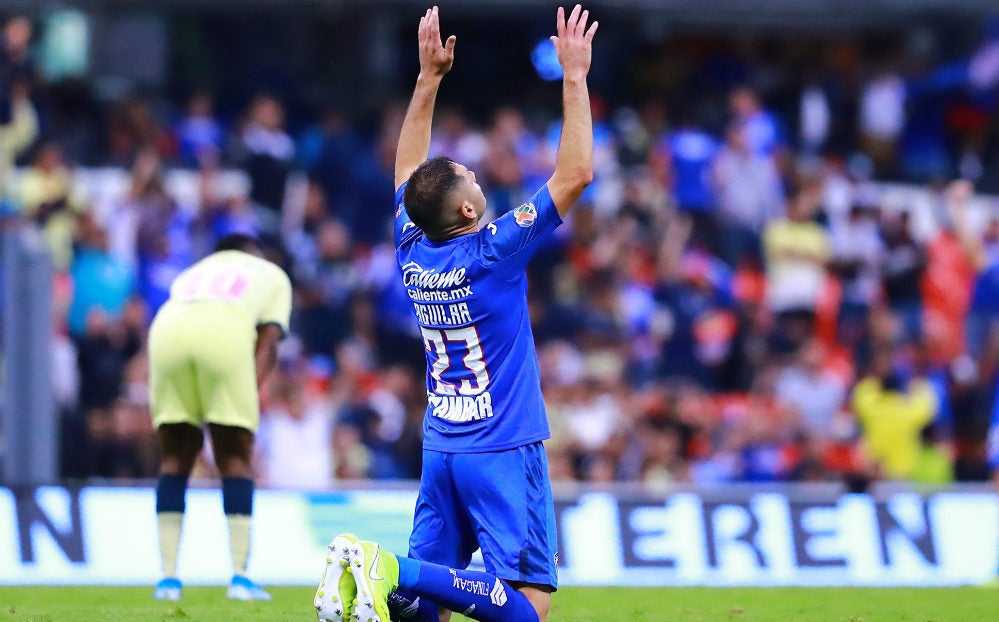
{"points": [[449, 44], [435, 26], [592, 31], [424, 25], [581, 23], [573, 18]]}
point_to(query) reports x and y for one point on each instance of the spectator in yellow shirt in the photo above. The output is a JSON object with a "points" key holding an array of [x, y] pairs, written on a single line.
{"points": [[893, 415], [49, 199], [797, 250], [20, 128]]}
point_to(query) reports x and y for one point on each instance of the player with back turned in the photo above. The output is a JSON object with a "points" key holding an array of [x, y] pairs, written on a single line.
{"points": [[485, 475], [210, 347]]}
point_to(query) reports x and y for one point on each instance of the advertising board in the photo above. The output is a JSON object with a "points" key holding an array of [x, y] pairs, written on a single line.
{"points": [[54, 535]]}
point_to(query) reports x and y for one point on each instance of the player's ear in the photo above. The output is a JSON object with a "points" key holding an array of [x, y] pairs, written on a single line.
{"points": [[468, 210]]}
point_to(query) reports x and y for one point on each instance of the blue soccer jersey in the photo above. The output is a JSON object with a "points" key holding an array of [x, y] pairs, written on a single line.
{"points": [[469, 295], [692, 151]]}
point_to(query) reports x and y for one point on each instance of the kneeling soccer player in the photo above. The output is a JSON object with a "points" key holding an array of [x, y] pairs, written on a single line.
{"points": [[485, 475]]}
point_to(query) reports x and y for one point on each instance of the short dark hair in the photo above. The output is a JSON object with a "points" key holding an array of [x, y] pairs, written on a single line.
{"points": [[239, 242], [426, 194]]}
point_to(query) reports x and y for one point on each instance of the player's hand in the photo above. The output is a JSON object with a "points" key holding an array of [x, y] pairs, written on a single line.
{"points": [[574, 42], [435, 59]]}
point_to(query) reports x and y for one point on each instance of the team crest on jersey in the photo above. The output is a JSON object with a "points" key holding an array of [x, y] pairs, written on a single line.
{"points": [[525, 214]]}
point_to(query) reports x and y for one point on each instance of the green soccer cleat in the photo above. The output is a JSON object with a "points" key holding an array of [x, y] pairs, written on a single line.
{"points": [[335, 596], [376, 573]]}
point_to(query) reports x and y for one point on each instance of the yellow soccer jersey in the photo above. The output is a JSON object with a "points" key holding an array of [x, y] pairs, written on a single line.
{"points": [[255, 286]]}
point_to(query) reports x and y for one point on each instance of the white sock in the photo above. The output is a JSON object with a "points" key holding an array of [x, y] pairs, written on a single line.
{"points": [[239, 541], [169, 524]]}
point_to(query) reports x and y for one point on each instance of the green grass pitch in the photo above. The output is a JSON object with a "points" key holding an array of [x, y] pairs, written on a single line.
{"points": [[208, 604]]}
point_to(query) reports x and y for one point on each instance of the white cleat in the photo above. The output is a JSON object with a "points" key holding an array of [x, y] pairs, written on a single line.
{"points": [[335, 596]]}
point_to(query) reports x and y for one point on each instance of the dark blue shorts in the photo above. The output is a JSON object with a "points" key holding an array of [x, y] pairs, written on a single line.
{"points": [[500, 502]]}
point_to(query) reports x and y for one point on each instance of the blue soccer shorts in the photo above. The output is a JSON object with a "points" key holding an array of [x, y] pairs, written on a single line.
{"points": [[500, 502]]}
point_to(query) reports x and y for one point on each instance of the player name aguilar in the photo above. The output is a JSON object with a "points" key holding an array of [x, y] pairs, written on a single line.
{"points": [[461, 408], [429, 285]]}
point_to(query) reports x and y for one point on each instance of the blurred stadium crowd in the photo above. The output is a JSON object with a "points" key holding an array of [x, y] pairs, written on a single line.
{"points": [[738, 298]]}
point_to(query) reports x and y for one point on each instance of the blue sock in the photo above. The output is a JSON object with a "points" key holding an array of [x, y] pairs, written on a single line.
{"points": [[476, 595], [237, 495], [237, 499], [406, 606], [170, 491]]}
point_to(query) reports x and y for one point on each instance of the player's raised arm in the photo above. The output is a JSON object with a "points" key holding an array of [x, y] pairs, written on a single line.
{"points": [[574, 164], [435, 61]]}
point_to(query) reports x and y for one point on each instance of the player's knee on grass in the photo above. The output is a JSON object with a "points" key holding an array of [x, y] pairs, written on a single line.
{"points": [[444, 614]]}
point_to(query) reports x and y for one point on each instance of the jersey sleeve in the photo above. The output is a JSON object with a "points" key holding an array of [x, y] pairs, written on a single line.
{"points": [[278, 309], [405, 230], [513, 238]]}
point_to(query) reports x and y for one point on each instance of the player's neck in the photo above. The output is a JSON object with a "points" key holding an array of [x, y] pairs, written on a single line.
{"points": [[457, 232]]}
